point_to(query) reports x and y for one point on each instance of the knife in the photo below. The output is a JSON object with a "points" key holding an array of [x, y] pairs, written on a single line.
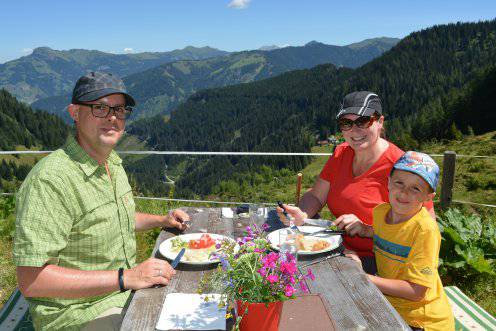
{"points": [[178, 258], [318, 222]]}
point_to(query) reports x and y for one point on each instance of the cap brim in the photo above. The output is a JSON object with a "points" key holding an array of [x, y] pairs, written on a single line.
{"points": [[95, 95], [418, 173], [356, 111]]}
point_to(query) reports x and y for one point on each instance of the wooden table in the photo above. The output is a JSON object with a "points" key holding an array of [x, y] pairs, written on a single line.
{"points": [[352, 300]]}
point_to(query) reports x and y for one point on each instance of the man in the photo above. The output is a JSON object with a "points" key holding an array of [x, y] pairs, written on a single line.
{"points": [[75, 245]]}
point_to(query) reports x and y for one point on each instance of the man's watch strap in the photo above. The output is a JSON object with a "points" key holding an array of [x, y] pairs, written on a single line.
{"points": [[121, 280]]}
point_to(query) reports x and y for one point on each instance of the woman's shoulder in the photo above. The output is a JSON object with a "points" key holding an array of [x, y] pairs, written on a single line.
{"points": [[393, 153]]}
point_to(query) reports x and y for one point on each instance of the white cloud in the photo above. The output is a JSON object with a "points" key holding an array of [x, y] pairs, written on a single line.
{"points": [[128, 50], [27, 51], [239, 4]]}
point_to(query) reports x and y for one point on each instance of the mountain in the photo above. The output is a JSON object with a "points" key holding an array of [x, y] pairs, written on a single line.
{"points": [[47, 72], [20, 125], [381, 44], [269, 48], [161, 89], [422, 75]]}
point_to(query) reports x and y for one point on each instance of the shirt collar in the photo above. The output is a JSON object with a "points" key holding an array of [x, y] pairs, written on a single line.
{"points": [[87, 163]]}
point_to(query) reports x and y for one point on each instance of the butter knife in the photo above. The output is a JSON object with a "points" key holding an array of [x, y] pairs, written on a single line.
{"points": [[175, 262], [318, 222]]}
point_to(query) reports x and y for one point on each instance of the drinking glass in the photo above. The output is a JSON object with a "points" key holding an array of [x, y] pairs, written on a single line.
{"points": [[257, 213], [288, 248]]}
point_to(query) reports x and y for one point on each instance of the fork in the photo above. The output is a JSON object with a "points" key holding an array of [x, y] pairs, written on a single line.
{"points": [[324, 231]]}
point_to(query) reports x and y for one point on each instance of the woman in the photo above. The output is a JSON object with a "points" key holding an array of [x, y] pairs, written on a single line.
{"points": [[354, 179]]}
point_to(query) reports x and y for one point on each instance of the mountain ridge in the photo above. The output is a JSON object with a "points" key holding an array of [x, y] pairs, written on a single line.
{"points": [[160, 89], [48, 72]]}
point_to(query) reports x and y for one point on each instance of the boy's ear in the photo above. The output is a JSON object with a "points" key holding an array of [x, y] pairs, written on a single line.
{"points": [[431, 196]]}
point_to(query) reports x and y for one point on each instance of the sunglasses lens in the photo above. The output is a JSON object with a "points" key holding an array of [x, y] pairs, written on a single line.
{"points": [[345, 124], [364, 122]]}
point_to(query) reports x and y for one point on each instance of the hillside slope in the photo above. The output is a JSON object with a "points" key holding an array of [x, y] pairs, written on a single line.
{"points": [[284, 113]]}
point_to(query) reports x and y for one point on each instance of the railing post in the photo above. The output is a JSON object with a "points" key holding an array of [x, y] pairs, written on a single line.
{"points": [[449, 161], [298, 188]]}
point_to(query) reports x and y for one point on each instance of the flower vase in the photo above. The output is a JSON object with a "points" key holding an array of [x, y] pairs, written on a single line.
{"points": [[259, 316]]}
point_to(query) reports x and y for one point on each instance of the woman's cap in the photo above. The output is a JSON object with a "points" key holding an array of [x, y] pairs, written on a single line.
{"points": [[361, 103], [420, 164]]}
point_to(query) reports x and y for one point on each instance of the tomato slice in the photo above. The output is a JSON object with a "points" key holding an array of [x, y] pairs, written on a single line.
{"points": [[194, 244], [205, 241]]}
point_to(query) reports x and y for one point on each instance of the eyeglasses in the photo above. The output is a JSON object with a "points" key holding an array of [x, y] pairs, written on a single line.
{"points": [[363, 122], [102, 110]]}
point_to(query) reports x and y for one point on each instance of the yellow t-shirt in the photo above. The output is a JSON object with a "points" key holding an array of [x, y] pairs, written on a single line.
{"points": [[410, 251]]}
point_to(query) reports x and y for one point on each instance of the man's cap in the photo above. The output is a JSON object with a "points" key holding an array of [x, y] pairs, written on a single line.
{"points": [[420, 164], [361, 103], [96, 85]]}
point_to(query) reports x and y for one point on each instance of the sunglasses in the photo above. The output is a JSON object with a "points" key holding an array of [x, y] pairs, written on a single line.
{"points": [[363, 122]]}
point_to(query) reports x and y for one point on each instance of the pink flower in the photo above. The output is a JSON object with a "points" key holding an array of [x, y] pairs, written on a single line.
{"points": [[288, 268], [262, 271], [289, 290], [310, 274], [272, 279], [303, 287]]}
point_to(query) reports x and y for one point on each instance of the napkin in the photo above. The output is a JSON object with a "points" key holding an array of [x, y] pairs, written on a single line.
{"points": [[189, 311], [227, 213]]}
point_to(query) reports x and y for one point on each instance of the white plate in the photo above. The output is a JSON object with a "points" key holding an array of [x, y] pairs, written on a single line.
{"points": [[165, 247], [334, 240]]}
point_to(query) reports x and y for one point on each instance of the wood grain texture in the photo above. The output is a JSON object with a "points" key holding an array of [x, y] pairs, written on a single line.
{"points": [[351, 299]]}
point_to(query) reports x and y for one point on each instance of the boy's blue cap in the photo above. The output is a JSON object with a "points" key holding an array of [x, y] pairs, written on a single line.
{"points": [[420, 164]]}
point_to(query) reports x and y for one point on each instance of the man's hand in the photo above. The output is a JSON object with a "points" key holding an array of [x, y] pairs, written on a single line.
{"points": [[177, 219], [148, 273], [296, 213], [353, 226]]}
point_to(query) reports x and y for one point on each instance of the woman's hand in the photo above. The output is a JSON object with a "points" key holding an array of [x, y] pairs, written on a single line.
{"points": [[353, 226], [294, 212]]}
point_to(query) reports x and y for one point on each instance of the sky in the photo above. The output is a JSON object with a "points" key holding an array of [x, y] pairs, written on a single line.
{"points": [[127, 26]]}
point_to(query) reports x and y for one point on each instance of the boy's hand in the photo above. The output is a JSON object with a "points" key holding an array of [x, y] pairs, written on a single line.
{"points": [[353, 226], [353, 255]]}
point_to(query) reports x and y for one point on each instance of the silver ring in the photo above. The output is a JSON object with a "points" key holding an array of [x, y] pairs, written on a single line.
{"points": [[160, 272]]}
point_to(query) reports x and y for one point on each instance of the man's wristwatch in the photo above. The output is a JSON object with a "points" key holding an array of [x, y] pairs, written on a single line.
{"points": [[121, 280]]}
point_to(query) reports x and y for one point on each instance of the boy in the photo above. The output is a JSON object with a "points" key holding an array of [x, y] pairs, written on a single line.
{"points": [[406, 245]]}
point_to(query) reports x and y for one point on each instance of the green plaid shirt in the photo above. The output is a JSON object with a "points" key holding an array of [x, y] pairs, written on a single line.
{"points": [[69, 213]]}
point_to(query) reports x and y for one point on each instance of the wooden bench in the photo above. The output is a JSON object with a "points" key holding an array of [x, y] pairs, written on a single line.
{"points": [[468, 314], [15, 314]]}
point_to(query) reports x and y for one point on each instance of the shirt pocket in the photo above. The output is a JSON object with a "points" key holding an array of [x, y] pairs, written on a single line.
{"points": [[129, 205]]}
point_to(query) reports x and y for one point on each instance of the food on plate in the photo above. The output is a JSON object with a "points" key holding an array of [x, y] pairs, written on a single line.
{"points": [[311, 244], [197, 250]]}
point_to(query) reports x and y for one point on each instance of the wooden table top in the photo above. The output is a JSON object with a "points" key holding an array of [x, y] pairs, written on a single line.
{"points": [[352, 300]]}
